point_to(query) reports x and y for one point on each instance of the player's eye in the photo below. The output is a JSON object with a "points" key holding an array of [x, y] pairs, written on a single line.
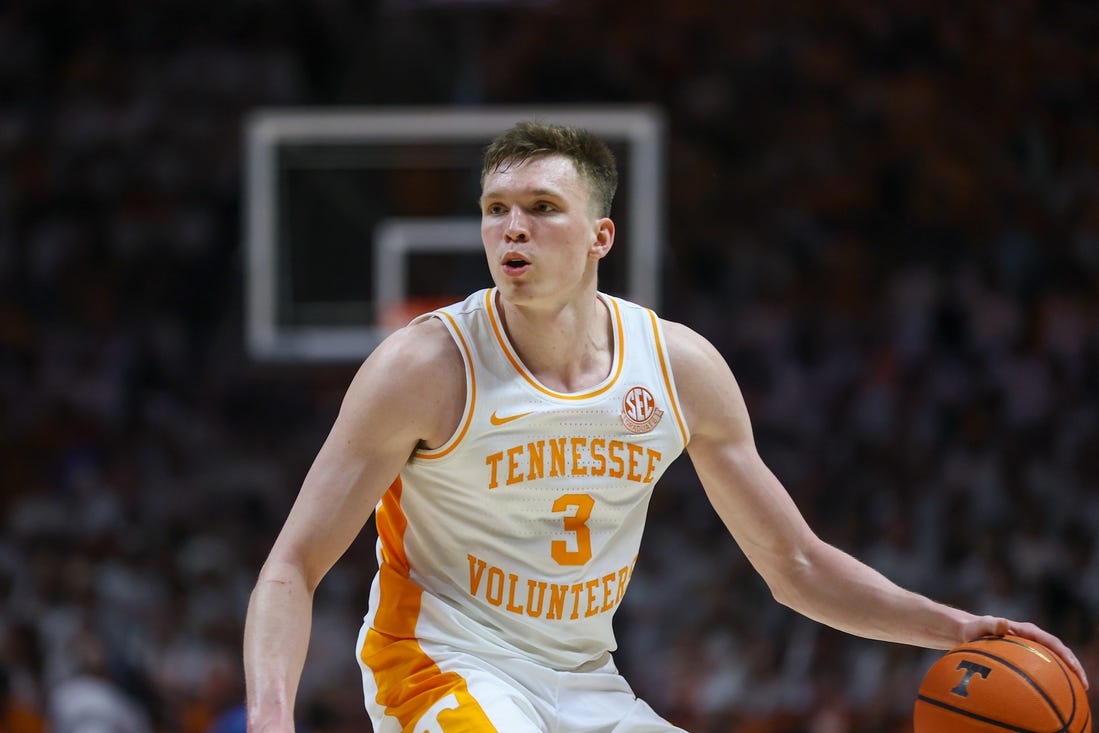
{"points": [[495, 209]]}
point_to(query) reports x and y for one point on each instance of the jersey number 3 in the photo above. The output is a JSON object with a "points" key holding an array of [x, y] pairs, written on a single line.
{"points": [[577, 522]]}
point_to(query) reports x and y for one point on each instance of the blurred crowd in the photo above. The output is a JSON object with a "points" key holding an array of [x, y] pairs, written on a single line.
{"points": [[885, 216]]}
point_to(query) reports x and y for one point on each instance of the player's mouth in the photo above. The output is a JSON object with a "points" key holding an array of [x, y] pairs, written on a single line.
{"points": [[514, 264]]}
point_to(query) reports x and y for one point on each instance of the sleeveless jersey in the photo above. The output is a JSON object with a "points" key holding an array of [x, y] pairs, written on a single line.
{"points": [[519, 535]]}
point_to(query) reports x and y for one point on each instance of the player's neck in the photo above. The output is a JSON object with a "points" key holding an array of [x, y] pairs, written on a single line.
{"points": [[567, 347]]}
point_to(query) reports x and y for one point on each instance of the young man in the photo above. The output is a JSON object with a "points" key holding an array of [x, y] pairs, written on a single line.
{"points": [[509, 445]]}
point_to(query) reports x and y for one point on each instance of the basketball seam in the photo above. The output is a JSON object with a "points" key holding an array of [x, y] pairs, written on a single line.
{"points": [[1065, 724], [1072, 690], [973, 716], [1060, 665], [1033, 684]]}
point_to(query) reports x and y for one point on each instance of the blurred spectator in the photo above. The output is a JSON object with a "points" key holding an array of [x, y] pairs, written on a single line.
{"points": [[88, 701]]}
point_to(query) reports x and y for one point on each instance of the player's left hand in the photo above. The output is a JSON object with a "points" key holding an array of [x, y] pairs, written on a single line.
{"points": [[994, 626]]}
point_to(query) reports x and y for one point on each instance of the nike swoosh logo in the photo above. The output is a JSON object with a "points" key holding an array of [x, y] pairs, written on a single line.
{"points": [[497, 420]]}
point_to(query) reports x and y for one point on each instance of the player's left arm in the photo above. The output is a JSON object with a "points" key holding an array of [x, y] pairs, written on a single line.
{"points": [[802, 571]]}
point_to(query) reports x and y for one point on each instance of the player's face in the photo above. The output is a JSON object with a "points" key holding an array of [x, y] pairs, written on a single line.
{"points": [[541, 235]]}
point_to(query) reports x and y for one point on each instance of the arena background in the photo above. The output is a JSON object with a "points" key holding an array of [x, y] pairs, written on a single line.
{"points": [[887, 218]]}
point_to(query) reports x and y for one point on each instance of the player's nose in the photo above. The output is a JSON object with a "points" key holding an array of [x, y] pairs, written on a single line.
{"points": [[517, 229]]}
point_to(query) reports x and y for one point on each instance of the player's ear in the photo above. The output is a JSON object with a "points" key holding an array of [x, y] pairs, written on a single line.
{"points": [[604, 238]]}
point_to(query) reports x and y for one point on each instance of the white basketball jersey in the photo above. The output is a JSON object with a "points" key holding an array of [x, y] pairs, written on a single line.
{"points": [[520, 533]]}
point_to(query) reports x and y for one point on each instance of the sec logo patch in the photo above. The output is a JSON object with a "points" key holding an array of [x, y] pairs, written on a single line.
{"points": [[639, 411]]}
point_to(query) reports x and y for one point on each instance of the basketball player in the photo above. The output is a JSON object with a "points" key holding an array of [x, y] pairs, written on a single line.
{"points": [[508, 446]]}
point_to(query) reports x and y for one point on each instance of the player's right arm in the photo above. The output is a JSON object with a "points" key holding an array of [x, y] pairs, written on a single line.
{"points": [[410, 391]]}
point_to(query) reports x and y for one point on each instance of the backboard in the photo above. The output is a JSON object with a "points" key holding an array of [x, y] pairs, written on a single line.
{"points": [[350, 213]]}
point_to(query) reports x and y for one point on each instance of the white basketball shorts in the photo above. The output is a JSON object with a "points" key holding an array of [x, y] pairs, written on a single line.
{"points": [[415, 686]]}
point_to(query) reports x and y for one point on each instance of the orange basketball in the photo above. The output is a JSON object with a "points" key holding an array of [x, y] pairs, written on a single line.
{"points": [[995, 684]]}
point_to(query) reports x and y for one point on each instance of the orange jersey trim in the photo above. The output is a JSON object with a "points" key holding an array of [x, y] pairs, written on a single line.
{"points": [[409, 682], [667, 373], [431, 455], [501, 338]]}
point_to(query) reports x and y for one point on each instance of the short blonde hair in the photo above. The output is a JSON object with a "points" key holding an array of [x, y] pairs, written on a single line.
{"points": [[592, 157]]}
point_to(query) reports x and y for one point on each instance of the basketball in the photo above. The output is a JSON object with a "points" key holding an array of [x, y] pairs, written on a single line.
{"points": [[1001, 683]]}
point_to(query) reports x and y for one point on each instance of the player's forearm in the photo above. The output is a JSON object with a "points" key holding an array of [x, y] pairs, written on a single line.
{"points": [[276, 639], [834, 588]]}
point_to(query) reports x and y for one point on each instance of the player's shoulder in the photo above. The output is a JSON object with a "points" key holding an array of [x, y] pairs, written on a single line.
{"points": [[425, 345], [708, 391], [423, 360], [685, 345], [413, 383], [414, 371]]}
